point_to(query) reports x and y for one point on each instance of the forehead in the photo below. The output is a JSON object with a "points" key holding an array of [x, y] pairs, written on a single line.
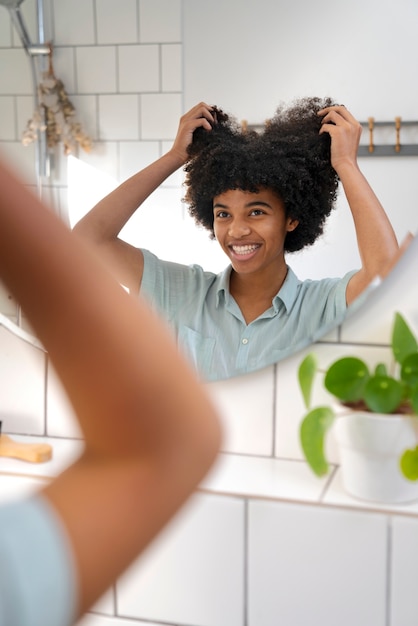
{"points": [[243, 198]]}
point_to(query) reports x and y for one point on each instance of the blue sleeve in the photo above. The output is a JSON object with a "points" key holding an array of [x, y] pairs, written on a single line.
{"points": [[170, 287], [37, 572]]}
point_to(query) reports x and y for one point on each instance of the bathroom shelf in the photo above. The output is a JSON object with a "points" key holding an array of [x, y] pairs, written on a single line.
{"points": [[375, 130]]}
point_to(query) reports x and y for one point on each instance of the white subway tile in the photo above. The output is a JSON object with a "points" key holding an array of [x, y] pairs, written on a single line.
{"points": [[160, 115], [171, 67], [96, 69], [25, 106], [403, 593], [194, 572], [116, 21], [74, 22], [246, 407], [22, 384], [21, 159], [16, 78], [264, 477], [139, 68], [61, 420], [7, 118], [159, 20], [5, 29], [118, 117], [135, 155], [86, 114], [64, 67], [309, 565]]}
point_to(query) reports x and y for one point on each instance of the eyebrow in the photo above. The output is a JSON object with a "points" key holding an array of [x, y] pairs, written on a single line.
{"points": [[248, 205]]}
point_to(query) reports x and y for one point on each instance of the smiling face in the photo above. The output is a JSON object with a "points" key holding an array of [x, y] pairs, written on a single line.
{"points": [[251, 229]]}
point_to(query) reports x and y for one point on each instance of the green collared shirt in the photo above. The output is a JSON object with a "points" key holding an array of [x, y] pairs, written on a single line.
{"points": [[211, 329]]}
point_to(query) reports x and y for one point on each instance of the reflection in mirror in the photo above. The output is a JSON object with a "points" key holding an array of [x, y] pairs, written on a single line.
{"points": [[261, 196]]}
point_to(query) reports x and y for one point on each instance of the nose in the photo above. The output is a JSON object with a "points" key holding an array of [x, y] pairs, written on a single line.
{"points": [[238, 228]]}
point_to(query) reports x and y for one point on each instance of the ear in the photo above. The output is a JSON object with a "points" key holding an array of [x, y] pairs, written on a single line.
{"points": [[291, 224]]}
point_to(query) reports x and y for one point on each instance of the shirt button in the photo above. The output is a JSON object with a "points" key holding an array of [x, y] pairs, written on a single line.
{"points": [[245, 341]]}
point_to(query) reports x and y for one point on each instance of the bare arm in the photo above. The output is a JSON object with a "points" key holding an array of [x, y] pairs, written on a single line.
{"points": [[102, 225], [150, 431], [376, 239]]}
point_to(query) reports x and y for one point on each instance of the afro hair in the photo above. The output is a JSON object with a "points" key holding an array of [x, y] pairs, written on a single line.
{"points": [[288, 156]]}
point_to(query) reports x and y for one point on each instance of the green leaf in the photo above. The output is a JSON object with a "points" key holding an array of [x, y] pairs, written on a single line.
{"points": [[346, 379], [404, 342], [381, 370], [383, 394], [306, 374], [409, 464], [409, 369], [312, 436], [414, 400]]}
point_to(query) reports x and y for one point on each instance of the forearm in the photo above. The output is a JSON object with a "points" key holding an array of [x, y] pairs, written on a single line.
{"points": [[377, 242], [107, 218], [150, 431]]}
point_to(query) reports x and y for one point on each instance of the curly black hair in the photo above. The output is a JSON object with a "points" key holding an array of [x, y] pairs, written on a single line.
{"points": [[289, 157]]}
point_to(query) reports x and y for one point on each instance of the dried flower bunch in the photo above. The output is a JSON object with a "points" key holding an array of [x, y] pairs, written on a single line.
{"points": [[55, 114]]}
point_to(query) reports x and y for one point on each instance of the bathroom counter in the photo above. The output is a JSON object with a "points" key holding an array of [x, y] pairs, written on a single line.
{"points": [[244, 476]]}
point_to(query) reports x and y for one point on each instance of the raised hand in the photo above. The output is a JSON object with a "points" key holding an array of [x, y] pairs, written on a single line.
{"points": [[345, 132]]}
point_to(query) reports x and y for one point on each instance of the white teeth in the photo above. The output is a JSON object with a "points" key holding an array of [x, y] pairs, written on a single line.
{"points": [[244, 249]]}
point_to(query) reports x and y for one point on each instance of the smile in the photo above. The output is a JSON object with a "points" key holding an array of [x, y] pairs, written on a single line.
{"points": [[244, 249]]}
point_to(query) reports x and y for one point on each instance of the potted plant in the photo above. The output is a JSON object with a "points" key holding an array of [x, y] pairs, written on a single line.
{"points": [[374, 415]]}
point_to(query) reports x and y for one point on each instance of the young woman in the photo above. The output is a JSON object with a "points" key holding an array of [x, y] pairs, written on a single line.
{"points": [[260, 195], [150, 431]]}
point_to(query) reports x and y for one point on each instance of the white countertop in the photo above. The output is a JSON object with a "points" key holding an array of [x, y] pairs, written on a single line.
{"points": [[233, 474]]}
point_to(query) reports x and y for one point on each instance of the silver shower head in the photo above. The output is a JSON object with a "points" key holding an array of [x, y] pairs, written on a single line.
{"points": [[11, 4]]}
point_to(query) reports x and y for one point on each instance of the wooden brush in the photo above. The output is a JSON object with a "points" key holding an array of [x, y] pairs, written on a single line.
{"points": [[31, 452]]}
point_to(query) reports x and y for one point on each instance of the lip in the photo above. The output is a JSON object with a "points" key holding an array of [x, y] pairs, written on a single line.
{"points": [[243, 251]]}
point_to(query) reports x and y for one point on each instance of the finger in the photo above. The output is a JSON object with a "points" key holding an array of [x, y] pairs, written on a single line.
{"points": [[337, 113]]}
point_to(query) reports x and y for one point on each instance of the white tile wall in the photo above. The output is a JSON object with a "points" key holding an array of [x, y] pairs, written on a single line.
{"points": [[247, 405], [96, 69], [160, 20], [22, 385], [18, 81], [403, 600], [74, 22], [194, 573], [311, 566], [118, 117], [139, 68], [117, 22]]}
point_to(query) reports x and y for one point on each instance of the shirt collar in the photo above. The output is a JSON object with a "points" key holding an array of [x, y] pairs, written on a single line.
{"points": [[287, 293], [222, 287]]}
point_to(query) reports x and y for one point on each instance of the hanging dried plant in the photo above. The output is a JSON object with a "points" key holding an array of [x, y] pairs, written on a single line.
{"points": [[55, 114]]}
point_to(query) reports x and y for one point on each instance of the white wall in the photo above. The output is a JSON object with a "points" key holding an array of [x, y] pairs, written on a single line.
{"points": [[249, 57]]}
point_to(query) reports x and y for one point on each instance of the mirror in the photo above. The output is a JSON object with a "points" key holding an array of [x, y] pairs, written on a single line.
{"points": [[247, 59]]}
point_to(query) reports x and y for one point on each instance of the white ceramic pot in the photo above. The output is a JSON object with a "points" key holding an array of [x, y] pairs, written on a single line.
{"points": [[370, 447]]}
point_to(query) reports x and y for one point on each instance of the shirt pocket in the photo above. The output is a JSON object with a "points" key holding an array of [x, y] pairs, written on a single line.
{"points": [[197, 349]]}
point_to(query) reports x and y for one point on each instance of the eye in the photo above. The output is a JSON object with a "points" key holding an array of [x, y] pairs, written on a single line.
{"points": [[257, 212], [222, 214]]}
